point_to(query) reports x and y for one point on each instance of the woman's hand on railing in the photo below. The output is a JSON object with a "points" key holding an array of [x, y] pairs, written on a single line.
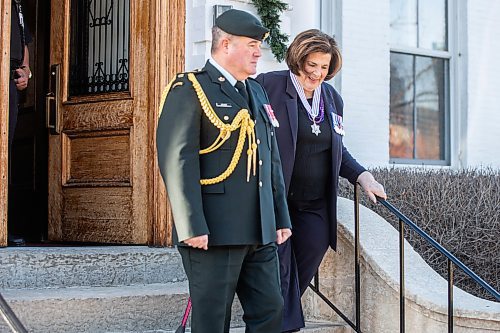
{"points": [[372, 188]]}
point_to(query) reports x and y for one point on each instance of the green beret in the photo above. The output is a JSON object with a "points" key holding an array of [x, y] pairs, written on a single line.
{"points": [[241, 23]]}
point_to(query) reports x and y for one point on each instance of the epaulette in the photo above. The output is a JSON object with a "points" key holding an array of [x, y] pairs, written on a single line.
{"points": [[179, 77], [177, 81], [194, 71]]}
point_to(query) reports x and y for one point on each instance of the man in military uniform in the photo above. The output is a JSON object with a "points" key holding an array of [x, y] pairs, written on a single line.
{"points": [[219, 159]]}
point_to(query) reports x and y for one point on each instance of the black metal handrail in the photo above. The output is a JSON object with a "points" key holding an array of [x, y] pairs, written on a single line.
{"points": [[10, 317], [403, 220], [441, 249], [452, 260]]}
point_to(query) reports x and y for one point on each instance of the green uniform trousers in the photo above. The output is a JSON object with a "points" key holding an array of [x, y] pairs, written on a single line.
{"points": [[215, 275]]}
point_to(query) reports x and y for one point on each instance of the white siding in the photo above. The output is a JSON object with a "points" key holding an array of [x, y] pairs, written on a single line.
{"points": [[366, 79], [483, 133]]}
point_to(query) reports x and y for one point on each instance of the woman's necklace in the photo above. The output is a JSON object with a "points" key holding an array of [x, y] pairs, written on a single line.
{"points": [[316, 112]]}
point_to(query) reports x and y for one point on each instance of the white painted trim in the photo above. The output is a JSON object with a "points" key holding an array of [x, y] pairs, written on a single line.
{"points": [[331, 23], [459, 84], [422, 52]]}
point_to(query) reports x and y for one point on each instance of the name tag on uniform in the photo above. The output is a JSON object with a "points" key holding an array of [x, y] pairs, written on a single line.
{"points": [[223, 105], [270, 114]]}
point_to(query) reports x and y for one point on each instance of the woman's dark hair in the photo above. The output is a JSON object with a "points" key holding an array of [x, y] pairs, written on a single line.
{"points": [[311, 41]]}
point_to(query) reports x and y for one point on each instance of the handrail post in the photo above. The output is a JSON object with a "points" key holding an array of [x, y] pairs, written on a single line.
{"points": [[356, 258], [401, 276], [450, 296], [10, 318]]}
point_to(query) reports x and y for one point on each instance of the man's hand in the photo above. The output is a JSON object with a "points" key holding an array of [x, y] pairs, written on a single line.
{"points": [[282, 235], [22, 80], [371, 186], [198, 242]]}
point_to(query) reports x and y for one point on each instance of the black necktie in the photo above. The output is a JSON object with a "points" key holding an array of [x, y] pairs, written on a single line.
{"points": [[242, 90]]}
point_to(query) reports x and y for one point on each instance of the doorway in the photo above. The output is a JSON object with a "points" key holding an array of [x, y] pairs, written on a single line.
{"points": [[28, 182], [83, 166]]}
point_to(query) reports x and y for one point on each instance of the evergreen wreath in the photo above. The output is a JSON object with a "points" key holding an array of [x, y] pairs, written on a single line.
{"points": [[269, 12]]}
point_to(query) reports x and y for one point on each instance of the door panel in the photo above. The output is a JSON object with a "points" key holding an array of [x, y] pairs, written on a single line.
{"points": [[98, 214], [98, 158], [98, 171]]}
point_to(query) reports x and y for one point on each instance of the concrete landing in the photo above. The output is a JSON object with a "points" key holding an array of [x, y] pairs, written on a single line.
{"points": [[311, 327]]}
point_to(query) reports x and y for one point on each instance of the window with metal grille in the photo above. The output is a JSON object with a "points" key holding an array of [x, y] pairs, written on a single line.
{"points": [[419, 85], [100, 34]]}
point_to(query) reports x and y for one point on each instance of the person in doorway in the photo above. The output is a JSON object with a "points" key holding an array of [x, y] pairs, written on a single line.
{"points": [[20, 74], [313, 157], [218, 156]]}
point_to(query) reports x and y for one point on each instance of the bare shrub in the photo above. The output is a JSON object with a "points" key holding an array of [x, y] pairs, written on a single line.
{"points": [[459, 209]]}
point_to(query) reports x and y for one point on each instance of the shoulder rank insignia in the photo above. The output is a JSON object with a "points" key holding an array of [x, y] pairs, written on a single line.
{"points": [[177, 84]]}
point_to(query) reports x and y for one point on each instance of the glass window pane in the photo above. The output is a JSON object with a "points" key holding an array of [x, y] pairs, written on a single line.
{"points": [[404, 23], [401, 108], [100, 33], [432, 24], [430, 105]]}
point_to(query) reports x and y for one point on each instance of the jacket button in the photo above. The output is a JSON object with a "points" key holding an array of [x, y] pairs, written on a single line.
{"points": [[226, 117], [258, 141], [260, 162], [260, 184], [272, 133]]}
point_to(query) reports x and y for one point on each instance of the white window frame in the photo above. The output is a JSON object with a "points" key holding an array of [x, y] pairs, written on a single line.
{"points": [[455, 84], [331, 23]]}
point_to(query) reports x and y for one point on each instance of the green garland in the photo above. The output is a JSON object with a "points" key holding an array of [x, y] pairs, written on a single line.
{"points": [[269, 12]]}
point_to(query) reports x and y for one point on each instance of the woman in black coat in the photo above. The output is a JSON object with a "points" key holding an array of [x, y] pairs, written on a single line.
{"points": [[309, 114]]}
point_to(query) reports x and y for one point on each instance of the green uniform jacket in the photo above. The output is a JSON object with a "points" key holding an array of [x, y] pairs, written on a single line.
{"points": [[233, 212]]}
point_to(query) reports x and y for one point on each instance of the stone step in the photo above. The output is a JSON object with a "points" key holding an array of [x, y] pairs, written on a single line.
{"points": [[103, 309], [153, 308], [311, 327], [99, 309], [101, 290], [105, 266]]}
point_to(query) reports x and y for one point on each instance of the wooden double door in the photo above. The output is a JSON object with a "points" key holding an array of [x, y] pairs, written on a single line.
{"points": [[107, 62]]}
